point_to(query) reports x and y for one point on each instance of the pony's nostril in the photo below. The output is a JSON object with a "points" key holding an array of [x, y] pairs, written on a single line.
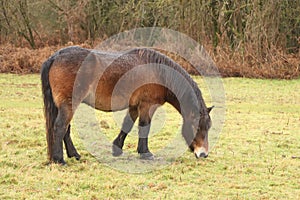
{"points": [[200, 153], [203, 155]]}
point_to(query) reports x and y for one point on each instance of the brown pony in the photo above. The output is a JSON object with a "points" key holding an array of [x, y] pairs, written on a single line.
{"points": [[140, 79]]}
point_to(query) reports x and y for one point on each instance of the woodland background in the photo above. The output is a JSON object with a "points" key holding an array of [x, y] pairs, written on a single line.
{"points": [[245, 38]]}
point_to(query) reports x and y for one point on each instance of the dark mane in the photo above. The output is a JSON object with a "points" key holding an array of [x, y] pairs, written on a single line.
{"points": [[152, 56]]}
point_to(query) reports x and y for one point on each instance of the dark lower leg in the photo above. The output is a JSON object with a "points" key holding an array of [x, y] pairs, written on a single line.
{"points": [[57, 156], [143, 145], [57, 147], [60, 129], [146, 111], [142, 148], [70, 148], [127, 125], [118, 144]]}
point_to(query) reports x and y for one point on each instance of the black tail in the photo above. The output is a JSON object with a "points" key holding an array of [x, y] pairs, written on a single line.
{"points": [[50, 110]]}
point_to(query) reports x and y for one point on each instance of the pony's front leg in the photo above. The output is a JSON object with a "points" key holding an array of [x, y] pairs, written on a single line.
{"points": [[127, 125], [143, 148], [144, 128]]}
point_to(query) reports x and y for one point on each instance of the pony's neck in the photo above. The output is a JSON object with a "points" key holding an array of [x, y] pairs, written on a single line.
{"points": [[183, 93], [171, 99], [187, 104]]}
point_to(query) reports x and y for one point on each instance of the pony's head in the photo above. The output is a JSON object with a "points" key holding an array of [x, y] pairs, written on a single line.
{"points": [[196, 134]]}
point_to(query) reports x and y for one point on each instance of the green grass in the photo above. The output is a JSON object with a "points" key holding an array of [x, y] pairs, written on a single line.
{"points": [[256, 157]]}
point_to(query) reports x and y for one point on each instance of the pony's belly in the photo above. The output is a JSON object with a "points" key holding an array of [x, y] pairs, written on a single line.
{"points": [[110, 104], [106, 100]]}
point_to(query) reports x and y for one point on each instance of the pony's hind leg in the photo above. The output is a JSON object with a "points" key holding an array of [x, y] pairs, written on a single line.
{"points": [[60, 130], [127, 125], [70, 148]]}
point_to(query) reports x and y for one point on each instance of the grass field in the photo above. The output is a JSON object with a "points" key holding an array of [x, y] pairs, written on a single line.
{"points": [[257, 155]]}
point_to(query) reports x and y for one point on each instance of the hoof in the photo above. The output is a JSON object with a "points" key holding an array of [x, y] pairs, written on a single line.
{"points": [[116, 151], [147, 156], [75, 155], [61, 162]]}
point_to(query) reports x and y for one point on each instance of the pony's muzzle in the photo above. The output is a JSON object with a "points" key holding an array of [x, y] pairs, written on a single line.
{"points": [[200, 152]]}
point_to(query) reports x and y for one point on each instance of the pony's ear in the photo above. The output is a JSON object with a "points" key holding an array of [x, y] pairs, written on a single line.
{"points": [[209, 109]]}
